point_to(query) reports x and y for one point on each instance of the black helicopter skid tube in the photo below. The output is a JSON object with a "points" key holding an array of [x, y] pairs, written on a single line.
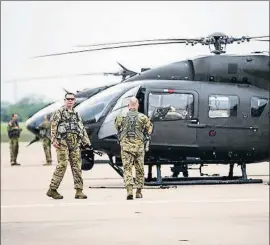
{"points": [[209, 180], [202, 181], [118, 169]]}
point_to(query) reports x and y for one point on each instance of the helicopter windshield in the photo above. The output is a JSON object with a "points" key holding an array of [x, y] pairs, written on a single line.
{"points": [[50, 109], [93, 108]]}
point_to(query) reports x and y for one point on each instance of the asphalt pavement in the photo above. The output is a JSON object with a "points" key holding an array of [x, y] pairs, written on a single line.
{"points": [[183, 215]]}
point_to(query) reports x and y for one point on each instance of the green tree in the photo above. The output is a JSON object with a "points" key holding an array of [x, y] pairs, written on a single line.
{"points": [[25, 108]]}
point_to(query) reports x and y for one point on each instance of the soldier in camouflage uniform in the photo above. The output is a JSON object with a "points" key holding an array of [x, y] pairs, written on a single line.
{"points": [[46, 142], [14, 132], [133, 128], [67, 135]]}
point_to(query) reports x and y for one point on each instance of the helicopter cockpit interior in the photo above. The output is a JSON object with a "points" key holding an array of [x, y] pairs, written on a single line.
{"points": [[170, 106]]}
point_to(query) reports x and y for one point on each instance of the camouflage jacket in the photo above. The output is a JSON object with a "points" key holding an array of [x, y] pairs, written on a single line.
{"points": [[143, 125], [62, 116], [13, 129]]}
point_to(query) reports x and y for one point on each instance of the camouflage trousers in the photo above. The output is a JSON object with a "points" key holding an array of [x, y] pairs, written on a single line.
{"points": [[137, 159], [65, 155], [14, 149], [47, 149]]}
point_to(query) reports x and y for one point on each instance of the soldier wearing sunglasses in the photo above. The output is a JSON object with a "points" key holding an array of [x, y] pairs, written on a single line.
{"points": [[67, 136]]}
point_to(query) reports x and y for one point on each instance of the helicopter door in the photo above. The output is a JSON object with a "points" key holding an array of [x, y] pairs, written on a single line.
{"points": [[171, 111]]}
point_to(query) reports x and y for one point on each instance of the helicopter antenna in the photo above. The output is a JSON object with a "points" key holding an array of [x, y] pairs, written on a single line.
{"points": [[218, 40]]}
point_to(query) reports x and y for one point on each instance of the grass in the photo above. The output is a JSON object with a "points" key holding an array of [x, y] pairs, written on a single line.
{"points": [[26, 136]]}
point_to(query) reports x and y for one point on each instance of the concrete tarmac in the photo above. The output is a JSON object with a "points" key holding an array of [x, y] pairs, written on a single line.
{"points": [[186, 215]]}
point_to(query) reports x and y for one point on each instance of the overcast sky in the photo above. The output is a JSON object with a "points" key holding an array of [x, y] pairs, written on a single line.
{"points": [[36, 28]]}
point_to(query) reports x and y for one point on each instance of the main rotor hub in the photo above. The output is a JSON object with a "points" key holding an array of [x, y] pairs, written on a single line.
{"points": [[219, 41]]}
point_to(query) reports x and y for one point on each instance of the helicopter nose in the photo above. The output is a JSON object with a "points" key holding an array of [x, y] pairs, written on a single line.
{"points": [[32, 124]]}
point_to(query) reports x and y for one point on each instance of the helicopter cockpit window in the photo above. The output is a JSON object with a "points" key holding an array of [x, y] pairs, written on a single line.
{"points": [[79, 100], [257, 106], [221, 106], [124, 99], [93, 108], [175, 106], [122, 104]]}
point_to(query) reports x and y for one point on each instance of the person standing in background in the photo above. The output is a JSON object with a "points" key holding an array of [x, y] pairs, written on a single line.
{"points": [[46, 142], [14, 132]]}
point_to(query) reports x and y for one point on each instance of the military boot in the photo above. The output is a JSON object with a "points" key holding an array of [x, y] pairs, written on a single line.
{"points": [[47, 164], [139, 193], [79, 194], [15, 164], [54, 194], [129, 192]]}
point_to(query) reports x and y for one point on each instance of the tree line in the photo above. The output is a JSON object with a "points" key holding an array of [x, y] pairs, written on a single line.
{"points": [[25, 108]]}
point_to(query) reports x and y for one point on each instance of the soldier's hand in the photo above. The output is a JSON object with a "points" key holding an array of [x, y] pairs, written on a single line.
{"points": [[88, 147], [56, 145]]}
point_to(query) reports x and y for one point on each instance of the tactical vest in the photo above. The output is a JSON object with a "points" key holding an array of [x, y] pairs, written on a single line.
{"points": [[14, 133], [131, 127], [68, 124], [44, 131]]}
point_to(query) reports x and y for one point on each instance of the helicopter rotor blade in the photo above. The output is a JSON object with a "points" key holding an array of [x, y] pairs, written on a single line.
{"points": [[113, 47], [211, 39], [60, 76], [257, 37], [263, 40], [249, 38], [126, 71], [124, 68], [65, 90], [139, 41]]}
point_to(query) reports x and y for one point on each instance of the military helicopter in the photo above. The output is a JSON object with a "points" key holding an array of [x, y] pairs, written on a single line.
{"points": [[221, 111]]}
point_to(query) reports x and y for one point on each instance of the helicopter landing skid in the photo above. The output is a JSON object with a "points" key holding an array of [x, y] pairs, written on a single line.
{"points": [[209, 180], [173, 181], [118, 169]]}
